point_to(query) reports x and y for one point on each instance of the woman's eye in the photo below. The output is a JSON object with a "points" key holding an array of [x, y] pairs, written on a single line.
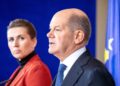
{"points": [[22, 38], [10, 39]]}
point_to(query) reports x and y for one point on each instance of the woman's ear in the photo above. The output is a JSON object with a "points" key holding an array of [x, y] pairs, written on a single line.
{"points": [[34, 42], [79, 36]]}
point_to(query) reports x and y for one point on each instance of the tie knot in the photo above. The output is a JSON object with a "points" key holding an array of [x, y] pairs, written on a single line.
{"points": [[62, 67]]}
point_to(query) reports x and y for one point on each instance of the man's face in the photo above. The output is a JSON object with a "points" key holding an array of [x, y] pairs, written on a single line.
{"points": [[20, 42], [60, 36]]}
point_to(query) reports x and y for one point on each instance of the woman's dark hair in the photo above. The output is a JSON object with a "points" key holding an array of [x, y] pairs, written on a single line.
{"points": [[23, 23]]}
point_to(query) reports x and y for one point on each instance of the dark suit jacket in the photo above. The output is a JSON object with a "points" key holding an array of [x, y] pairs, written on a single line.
{"points": [[34, 73], [87, 71]]}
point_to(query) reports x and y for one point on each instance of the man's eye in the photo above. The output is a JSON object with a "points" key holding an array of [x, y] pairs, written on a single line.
{"points": [[57, 29]]}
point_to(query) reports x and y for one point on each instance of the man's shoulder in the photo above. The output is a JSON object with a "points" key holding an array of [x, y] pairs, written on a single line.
{"points": [[94, 63], [94, 66]]}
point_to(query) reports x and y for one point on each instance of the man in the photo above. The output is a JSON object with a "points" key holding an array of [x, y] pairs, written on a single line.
{"points": [[70, 31]]}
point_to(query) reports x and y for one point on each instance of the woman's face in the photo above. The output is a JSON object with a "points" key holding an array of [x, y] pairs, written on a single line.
{"points": [[20, 42]]}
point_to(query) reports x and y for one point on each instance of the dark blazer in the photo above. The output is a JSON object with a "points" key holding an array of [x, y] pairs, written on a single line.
{"points": [[34, 73], [87, 71]]}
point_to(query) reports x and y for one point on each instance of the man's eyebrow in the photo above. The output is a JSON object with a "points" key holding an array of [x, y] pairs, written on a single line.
{"points": [[54, 27]]}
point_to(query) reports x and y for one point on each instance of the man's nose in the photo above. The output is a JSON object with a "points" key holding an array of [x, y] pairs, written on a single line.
{"points": [[50, 34]]}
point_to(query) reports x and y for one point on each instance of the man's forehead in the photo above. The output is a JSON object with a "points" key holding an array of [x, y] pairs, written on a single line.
{"points": [[67, 13], [59, 19]]}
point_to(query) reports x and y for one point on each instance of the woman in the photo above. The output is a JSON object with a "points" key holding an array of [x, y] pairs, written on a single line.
{"points": [[22, 41]]}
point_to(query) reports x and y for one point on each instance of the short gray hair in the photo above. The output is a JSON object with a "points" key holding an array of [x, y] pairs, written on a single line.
{"points": [[80, 22]]}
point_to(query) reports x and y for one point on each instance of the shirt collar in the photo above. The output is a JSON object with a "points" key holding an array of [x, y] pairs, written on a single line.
{"points": [[27, 58], [70, 60]]}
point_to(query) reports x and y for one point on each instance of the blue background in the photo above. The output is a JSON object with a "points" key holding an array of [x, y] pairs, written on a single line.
{"points": [[39, 12]]}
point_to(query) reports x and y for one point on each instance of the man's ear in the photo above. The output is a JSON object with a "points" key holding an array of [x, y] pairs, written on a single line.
{"points": [[79, 36]]}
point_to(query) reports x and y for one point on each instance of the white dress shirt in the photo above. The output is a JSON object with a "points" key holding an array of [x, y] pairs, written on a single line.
{"points": [[71, 59]]}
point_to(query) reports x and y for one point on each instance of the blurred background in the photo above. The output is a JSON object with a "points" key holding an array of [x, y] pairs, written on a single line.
{"points": [[40, 12]]}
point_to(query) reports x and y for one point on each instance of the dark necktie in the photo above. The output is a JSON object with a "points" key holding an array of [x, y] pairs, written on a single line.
{"points": [[59, 78]]}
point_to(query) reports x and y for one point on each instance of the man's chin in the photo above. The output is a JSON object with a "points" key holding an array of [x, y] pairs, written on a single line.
{"points": [[51, 51]]}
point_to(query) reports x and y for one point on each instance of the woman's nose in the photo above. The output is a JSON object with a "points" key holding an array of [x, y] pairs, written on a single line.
{"points": [[15, 43]]}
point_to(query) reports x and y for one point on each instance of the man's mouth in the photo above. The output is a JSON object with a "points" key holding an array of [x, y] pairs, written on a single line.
{"points": [[51, 43]]}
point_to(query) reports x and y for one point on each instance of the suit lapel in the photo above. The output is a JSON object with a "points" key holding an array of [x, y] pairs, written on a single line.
{"points": [[24, 70], [18, 77], [13, 76], [76, 71], [72, 76]]}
